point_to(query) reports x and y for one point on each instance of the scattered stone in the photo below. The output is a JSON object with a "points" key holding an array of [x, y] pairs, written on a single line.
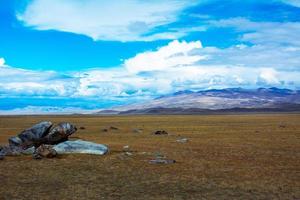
{"points": [[2, 153], [160, 132], [282, 125], [44, 151], [126, 148], [128, 153], [182, 140], [36, 156], [81, 127], [162, 161], [145, 153], [159, 155], [137, 130], [113, 128], [11, 150], [104, 130]]}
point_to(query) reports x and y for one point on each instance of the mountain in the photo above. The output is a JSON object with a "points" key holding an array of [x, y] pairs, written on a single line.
{"points": [[217, 100]]}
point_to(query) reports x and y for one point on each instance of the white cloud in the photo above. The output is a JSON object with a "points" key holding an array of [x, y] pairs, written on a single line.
{"points": [[2, 62], [19, 82], [283, 33], [177, 66], [174, 54], [128, 20]]}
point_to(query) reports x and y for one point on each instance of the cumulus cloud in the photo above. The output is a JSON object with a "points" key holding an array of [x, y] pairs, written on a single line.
{"points": [[176, 66], [20, 82], [128, 20], [170, 56], [2, 62]]}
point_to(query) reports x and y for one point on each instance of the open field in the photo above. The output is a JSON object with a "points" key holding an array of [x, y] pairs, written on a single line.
{"points": [[226, 157]]}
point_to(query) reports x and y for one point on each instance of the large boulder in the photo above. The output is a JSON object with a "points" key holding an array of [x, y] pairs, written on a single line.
{"points": [[59, 133], [80, 146], [31, 136]]}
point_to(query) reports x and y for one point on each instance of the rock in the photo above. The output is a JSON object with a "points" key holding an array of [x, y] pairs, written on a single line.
{"points": [[104, 130], [137, 130], [36, 156], [160, 132], [59, 133], [81, 127], [126, 148], [282, 125], [31, 137], [80, 146], [162, 161], [113, 128], [11, 150], [44, 151], [182, 140], [128, 153], [2, 153]]}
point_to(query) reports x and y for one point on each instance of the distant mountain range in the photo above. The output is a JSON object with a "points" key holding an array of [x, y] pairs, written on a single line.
{"points": [[216, 101]]}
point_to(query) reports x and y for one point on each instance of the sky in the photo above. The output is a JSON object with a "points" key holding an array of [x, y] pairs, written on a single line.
{"points": [[79, 55]]}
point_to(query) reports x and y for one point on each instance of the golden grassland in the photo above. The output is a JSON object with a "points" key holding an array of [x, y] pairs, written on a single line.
{"points": [[227, 157]]}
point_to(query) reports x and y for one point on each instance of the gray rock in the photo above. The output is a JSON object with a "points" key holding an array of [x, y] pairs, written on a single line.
{"points": [[59, 133], [182, 140], [113, 128], [160, 132], [162, 161], [137, 130], [30, 137], [80, 146], [44, 151]]}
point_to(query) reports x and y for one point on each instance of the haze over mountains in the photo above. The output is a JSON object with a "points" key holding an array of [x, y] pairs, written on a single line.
{"points": [[216, 100]]}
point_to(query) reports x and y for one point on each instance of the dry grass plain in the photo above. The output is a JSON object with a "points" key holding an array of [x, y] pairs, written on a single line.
{"points": [[227, 157]]}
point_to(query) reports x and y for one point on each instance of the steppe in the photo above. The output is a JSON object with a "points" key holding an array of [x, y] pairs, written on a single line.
{"points": [[236, 156]]}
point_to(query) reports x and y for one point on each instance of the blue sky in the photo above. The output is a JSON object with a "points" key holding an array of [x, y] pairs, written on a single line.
{"points": [[89, 54]]}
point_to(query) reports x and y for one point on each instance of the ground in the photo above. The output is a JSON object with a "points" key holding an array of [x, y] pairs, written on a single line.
{"points": [[253, 156]]}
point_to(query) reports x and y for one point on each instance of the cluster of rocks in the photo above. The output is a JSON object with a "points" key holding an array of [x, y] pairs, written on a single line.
{"points": [[47, 140], [111, 128]]}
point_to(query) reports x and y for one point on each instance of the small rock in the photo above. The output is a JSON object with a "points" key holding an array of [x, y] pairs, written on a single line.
{"points": [[128, 154], [183, 140], [81, 127], [113, 128], [44, 151], [161, 132], [36, 156], [162, 161], [137, 130], [104, 130], [282, 125], [126, 148]]}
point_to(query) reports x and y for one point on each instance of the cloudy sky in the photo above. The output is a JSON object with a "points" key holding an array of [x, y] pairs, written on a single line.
{"points": [[74, 55]]}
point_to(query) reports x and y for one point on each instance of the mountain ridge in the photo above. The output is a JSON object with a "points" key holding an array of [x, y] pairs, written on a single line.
{"points": [[217, 100]]}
